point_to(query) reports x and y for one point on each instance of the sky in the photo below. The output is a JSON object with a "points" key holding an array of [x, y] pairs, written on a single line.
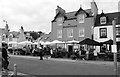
{"points": [[36, 15]]}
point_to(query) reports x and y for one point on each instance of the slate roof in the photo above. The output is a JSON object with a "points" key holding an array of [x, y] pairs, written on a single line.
{"points": [[72, 15], [109, 17], [60, 15], [33, 34], [45, 37]]}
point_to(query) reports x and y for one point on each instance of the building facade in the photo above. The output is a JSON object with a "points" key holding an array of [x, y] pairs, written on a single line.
{"points": [[76, 25]]}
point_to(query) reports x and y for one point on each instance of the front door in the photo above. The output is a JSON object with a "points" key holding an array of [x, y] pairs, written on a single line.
{"points": [[70, 48]]}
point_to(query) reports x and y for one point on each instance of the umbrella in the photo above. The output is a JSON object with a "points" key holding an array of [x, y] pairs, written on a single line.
{"points": [[108, 42], [12, 42], [56, 42], [73, 41], [35, 43], [89, 42], [41, 42]]}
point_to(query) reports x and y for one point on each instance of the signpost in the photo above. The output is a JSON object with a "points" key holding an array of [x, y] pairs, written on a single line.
{"points": [[114, 47]]}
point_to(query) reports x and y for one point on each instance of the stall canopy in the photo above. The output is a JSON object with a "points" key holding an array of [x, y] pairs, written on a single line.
{"points": [[56, 42], [89, 42], [73, 41], [47, 43], [25, 43]]}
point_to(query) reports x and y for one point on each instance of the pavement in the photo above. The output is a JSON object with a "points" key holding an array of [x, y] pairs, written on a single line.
{"points": [[10, 73]]}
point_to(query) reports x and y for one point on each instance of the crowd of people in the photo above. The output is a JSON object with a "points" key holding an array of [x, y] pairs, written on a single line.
{"points": [[59, 52], [47, 51]]}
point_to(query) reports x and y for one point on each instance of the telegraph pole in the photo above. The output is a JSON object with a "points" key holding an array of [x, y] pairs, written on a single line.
{"points": [[115, 48]]}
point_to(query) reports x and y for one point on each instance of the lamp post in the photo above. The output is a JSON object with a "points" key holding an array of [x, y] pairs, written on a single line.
{"points": [[114, 43]]}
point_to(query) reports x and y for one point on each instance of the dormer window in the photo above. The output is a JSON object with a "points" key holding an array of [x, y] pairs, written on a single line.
{"points": [[59, 21], [3, 37], [81, 18], [10, 37], [103, 20]]}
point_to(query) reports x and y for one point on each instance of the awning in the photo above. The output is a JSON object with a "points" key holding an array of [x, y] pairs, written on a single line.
{"points": [[89, 42]]}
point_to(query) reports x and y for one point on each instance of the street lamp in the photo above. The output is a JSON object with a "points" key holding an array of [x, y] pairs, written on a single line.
{"points": [[114, 48]]}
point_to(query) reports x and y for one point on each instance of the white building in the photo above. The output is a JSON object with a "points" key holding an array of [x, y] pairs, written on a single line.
{"points": [[103, 28]]}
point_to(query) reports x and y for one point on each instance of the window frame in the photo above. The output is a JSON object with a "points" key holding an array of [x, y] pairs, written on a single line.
{"points": [[82, 30], [118, 31], [81, 18], [70, 32], [3, 37], [103, 19], [59, 33], [59, 21], [101, 32], [11, 37]]}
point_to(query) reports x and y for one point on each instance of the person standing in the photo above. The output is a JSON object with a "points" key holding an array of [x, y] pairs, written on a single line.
{"points": [[5, 56], [51, 52], [95, 54], [41, 53]]}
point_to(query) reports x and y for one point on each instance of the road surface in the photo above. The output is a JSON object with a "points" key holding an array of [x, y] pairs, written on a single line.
{"points": [[34, 66]]}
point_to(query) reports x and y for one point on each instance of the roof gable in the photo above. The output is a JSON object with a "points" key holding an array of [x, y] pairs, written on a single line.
{"points": [[81, 11], [60, 15], [71, 15], [109, 17]]}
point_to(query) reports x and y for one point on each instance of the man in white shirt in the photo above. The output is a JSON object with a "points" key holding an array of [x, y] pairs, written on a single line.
{"points": [[96, 52]]}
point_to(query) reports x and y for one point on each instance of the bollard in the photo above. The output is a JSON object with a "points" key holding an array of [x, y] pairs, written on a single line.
{"points": [[15, 69], [5, 73]]}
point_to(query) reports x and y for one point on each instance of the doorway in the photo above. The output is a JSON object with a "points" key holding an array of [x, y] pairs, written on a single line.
{"points": [[70, 48]]}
